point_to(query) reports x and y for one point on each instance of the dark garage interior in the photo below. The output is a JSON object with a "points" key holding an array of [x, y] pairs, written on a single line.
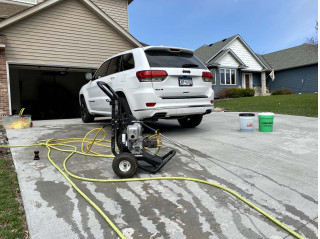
{"points": [[46, 92]]}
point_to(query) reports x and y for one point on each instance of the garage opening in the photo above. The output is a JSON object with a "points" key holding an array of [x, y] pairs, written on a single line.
{"points": [[46, 92]]}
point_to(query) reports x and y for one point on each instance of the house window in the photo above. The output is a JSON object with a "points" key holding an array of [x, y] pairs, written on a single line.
{"points": [[233, 77], [214, 76], [227, 76], [222, 77]]}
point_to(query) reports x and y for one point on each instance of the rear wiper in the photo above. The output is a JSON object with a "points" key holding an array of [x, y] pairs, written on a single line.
{"points": [[190, 65]]}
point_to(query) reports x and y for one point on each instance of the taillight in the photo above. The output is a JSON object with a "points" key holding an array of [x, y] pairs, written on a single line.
{"points": [[151, 76], [211, 101], [207, 76], [150, 104]]}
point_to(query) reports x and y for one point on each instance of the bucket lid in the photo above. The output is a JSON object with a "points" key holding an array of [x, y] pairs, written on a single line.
{"points": [[246, 114], [266, 114]]}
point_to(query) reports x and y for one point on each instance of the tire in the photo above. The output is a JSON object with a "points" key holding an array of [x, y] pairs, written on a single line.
{"points": [[125, 109], [190, 121], [124, 165], [85, 115]]}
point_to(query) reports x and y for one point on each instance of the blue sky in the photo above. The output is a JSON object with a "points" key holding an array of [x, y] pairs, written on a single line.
{"points": [[266, 25]]}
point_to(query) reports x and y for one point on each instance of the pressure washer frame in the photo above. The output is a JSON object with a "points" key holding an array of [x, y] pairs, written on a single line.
{"points": [[118, 125]]}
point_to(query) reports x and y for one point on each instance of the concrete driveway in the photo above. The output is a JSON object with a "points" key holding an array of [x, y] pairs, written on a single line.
{"points": [[275, 171]]}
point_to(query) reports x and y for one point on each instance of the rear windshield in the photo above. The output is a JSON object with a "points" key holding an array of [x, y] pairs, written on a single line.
{"points": [[163, 58]]}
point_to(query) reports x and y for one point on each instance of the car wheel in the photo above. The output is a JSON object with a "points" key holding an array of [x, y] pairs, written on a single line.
{"points": [[125, 109], [124, 165], [85, 115], [190, 121]]}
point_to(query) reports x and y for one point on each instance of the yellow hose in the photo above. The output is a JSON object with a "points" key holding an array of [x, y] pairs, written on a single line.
{"points": [[52, 143]]}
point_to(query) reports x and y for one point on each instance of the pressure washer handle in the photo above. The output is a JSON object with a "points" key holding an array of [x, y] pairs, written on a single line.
{"points": [[108, 90]]}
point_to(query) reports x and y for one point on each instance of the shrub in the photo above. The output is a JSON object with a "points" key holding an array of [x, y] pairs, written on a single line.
{"points": [[235, 93], [282, 92], [224, 93], [248, 92]]}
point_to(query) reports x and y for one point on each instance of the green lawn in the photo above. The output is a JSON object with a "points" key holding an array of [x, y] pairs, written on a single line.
{"points": [[11, 215], [304, 104]]}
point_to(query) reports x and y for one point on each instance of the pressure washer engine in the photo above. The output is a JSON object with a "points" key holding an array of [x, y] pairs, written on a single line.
{"points": [[127, 133]]}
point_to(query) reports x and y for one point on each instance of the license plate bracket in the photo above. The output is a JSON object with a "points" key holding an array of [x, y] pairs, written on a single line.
{"points": [[185, 81]]}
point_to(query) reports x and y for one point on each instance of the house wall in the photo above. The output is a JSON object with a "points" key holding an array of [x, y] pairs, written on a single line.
{"points": [[243, 53], [292, 79], [218, 87], [116, 9], [256, 78], [65, 34]]}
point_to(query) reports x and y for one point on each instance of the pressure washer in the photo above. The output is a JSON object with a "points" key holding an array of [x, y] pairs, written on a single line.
{"points": [[127, 133]]}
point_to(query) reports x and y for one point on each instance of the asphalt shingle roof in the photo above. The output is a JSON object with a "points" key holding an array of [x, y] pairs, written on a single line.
{"points": [[305, 54], [205, 52], [263, 60], [7, 9], [214, 59]]}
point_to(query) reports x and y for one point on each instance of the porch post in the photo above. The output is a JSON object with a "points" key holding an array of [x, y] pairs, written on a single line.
{"points": [[263, 83]]}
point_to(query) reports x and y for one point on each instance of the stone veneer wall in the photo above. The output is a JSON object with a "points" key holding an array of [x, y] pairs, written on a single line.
{"points": [[4, 94]]}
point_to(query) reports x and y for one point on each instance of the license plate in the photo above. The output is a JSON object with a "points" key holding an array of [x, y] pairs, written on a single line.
{"points": [[185, 81]]}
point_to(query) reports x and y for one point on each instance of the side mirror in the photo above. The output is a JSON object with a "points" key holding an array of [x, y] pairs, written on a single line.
{"points": [[89, 76]]}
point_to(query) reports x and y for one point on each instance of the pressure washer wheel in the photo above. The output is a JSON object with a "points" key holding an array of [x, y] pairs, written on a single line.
{"points": [[124, 165]]}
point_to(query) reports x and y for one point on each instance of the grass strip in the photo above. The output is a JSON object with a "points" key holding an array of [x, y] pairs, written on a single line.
{"points": [[303, 104], [12, 219]]}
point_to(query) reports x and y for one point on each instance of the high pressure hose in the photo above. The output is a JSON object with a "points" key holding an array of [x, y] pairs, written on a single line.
{"points": [[55, 143]]}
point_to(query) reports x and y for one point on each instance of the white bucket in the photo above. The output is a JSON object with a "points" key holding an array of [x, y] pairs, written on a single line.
{"points": [[246, 122]]}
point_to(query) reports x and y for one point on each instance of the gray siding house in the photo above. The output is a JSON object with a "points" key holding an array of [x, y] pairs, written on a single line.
{"points": [[295, 68], [234, 65]]}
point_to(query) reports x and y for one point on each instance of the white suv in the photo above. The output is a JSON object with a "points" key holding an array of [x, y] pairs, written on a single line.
{"points": [[153, 83]]}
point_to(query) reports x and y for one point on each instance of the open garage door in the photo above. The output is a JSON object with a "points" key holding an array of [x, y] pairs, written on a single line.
{"points": [[46, 92]]}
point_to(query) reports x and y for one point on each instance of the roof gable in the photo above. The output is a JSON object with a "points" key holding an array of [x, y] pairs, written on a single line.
{"points": [[246, 55], [227, 58], [67, 34], [303, 55], [47, 4], [207, 53]]}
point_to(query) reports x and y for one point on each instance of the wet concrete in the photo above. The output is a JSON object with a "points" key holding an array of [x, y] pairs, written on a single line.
{"points": [[276, 171]]}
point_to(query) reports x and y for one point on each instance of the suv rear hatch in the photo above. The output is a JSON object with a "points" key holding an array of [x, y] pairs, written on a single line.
{"points": [[184, 73]]}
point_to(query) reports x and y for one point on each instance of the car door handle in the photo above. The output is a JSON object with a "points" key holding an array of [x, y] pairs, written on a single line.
{"points": [[112, 78]]}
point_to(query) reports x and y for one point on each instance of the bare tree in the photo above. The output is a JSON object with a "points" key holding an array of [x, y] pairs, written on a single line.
{"points": [[313, 40]]}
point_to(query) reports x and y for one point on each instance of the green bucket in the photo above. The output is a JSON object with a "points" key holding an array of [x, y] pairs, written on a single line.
{"points": [[266, 122]]}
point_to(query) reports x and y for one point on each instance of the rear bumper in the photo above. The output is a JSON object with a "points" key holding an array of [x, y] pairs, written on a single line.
{"points": [[173, 111], [166, 108]]}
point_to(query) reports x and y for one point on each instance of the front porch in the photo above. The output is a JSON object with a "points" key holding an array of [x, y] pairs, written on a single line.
{"points": [[256, 81]]}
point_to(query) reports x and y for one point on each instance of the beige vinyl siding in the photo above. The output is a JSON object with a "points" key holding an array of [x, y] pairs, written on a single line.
{"points": [[68, 33], [116, 9]]}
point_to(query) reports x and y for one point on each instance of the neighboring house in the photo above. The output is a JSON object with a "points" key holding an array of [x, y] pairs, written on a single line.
{"points": [[46, 49], [295, 68], [234, 65]]}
